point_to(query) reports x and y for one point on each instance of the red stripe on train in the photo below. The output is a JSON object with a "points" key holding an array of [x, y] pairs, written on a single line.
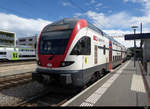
{"points": [[80, 24]]}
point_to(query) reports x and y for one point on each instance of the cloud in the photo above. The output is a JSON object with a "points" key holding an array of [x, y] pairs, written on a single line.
{"points": [[99, 4], [21, 26], [118, 24], [118, 35], [134, 1], [125, 0], [145, 3], [66, 4], [109, 22], [110, 11], [121, 20], [93, 1], [77, 14]]}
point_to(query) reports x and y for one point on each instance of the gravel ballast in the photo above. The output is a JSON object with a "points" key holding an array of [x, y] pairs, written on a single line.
{"points": [[14, 95]]}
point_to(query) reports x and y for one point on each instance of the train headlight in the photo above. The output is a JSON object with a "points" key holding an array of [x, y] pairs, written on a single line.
{"points": [[66, 63]]}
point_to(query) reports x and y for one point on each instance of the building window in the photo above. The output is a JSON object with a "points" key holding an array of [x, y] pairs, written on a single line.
{"points": [[22, 40], [30, 39]]}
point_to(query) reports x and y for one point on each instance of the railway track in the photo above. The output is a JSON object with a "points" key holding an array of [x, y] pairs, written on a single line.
{"points": [[13, 80], [52, 96], [48, 97], [13, 63], [41, 99]]}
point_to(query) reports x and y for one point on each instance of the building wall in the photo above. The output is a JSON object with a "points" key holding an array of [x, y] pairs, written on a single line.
{"points": [[28, 41], [7, 39]]}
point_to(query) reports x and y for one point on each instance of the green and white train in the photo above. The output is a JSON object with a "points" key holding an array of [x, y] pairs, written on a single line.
{"points": [[17, 53]]}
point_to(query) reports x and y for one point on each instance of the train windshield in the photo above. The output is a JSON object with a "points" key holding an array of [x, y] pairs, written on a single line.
{"points": [[54, 42]]}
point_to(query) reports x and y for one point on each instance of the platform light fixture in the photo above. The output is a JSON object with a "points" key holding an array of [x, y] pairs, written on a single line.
{"points": [[134, 29]]}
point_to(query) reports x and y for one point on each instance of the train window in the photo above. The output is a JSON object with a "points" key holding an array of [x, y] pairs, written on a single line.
{"points": [[104, 52], [83, 46], [54, 42], [27, 55], [2, 53]]}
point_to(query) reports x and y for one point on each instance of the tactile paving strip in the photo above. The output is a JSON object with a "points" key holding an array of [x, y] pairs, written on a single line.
{"points": [[137, 84]]}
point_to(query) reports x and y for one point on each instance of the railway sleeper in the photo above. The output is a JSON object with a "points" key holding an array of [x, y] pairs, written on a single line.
{"points": [[13, 83], [14, 78]]}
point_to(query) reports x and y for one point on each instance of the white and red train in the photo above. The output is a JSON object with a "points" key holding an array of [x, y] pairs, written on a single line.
{"points": [[72, 51]]}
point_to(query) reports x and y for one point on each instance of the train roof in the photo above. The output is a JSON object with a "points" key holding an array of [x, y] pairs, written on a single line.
{"points": [[73, 21], [70, 22], [66, 21]]}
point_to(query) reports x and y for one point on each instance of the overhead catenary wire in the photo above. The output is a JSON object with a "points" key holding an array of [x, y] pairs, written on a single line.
{"points": [[77, 6], [84, 11], [74, 4]]}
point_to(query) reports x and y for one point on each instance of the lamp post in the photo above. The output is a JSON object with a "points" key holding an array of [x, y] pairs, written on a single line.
{"points": [[134, 29]]}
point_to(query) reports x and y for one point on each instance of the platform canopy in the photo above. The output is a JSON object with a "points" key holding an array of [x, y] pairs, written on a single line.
{"points": [[137, 36]]}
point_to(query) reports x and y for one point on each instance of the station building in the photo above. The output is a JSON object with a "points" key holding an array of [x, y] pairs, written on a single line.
{"points": [[7, 39], [28, 41]]}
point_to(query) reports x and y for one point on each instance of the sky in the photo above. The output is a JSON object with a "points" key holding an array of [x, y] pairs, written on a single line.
{"points": [[114, 17]]}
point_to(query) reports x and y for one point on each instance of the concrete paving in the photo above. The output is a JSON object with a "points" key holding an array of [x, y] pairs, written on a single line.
{"points": [[124, 87]]}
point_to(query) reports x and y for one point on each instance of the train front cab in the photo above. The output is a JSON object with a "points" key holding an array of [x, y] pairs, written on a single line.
{"points": [[63, 61]]}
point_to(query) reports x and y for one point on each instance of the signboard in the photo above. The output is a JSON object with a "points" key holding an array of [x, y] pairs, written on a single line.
{"points": [[137, 36]]}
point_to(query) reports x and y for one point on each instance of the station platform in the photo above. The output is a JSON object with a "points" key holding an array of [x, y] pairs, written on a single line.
{"points": [[124, 86], [13, 70]]}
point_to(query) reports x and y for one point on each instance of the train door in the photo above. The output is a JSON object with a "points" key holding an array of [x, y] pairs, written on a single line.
{"points": [[106, 61], [87, 52], [110, 55], [121, 58], [15, 55], [95, 54]]}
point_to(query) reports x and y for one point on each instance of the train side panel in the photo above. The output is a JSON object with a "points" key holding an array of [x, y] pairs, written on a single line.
{"points": [[98, 59]]}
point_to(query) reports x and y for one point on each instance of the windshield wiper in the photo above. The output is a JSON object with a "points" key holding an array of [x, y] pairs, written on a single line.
{"points": [[51, 57]]}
